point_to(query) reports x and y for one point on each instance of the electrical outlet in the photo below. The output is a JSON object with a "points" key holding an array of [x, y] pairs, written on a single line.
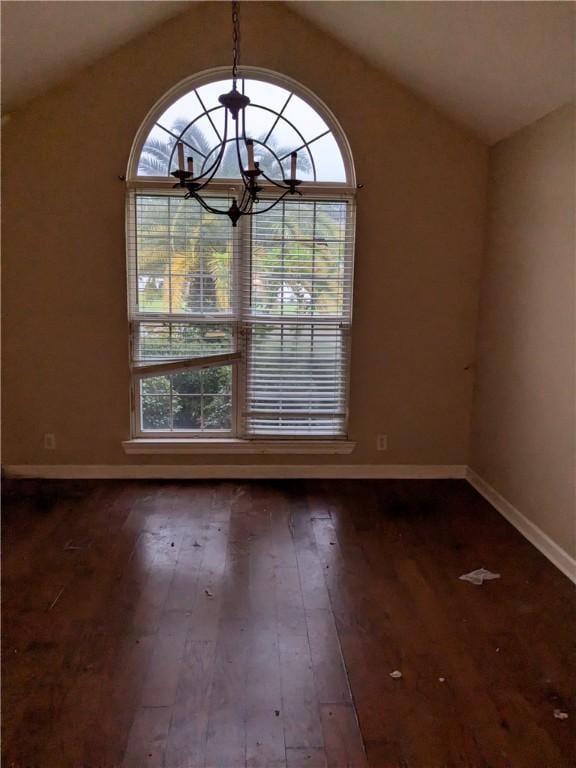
{"points": [[381, 442], [49, 441]]}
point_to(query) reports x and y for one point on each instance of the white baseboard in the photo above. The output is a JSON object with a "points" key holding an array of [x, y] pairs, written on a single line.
{"points": [[237, 471], [535, 535]]}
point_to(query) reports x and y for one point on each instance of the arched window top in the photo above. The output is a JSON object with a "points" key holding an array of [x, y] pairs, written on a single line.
{"points": [[282, 117]]}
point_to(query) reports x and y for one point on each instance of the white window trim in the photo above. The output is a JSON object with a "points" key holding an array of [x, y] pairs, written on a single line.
{"points": [[143, 442], [237, 445], [161, 436]]}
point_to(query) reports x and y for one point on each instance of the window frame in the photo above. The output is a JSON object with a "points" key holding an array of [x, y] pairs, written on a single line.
{"points": [[182, 434], [248, 72], [345, 191]]}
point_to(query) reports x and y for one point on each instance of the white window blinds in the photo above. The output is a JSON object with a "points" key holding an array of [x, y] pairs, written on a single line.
{"points": [[240, 330], [296, 305]]}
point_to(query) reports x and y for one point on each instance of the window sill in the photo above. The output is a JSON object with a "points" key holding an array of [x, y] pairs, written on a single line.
{"points": [[233, 445]]}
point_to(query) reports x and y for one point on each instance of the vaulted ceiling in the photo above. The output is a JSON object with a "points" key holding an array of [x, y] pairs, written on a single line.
{"points": [[43, 43], [493, 66]]}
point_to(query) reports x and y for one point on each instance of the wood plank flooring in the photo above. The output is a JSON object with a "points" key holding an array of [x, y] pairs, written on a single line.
{"points": [[256, 624]]}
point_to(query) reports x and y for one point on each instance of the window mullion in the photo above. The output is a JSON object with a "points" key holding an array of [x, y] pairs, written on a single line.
{"points": [[243, 245]]}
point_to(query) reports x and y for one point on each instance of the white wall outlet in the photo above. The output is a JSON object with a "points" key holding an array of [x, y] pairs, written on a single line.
{"points": [[49, 441], [381, 442]]}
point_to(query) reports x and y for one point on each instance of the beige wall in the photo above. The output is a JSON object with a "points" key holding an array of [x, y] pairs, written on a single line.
{"points": [[523, 425], [419, 245]]}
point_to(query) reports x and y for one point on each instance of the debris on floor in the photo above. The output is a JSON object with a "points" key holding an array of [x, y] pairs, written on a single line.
{"points": [[441, 679], [479, 576], [69, 545], [196, 544], [208, 593], [56, 599], [559, 715], [396, 674]]}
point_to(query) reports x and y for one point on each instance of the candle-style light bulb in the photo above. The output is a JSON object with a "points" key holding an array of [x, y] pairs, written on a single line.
{"points": [[293, 160], [191, 166], [250, 149], [180, 156]]}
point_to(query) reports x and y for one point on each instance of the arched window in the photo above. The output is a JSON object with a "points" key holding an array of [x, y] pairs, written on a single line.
{"points": [[240, 332]]}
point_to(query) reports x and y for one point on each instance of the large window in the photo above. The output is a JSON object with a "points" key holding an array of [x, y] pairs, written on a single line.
{"points": [[241, 332]]}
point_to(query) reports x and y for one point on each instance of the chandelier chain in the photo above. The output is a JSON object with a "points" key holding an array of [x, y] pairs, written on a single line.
{"points": [[235, 39]]}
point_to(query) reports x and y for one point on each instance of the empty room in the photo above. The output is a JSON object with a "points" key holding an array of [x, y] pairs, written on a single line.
{"points": [[288, 368]]}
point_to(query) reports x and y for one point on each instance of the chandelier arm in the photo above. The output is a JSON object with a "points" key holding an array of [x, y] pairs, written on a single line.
{"points": [[243, 201], [246, 197], [205, 182], [193, 182], [216, 164], [242, 171], [213, 170], [276, 183], [247, 212], [273, 205], [262, 143], [180, 138], [199, 199], [244, 114], [246, 207]]}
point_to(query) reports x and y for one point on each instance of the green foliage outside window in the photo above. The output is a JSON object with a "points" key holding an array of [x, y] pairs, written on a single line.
{"points": [[190, 400]]}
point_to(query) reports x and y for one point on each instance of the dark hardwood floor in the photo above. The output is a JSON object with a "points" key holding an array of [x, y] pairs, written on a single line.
{"points": [[256, 624]]}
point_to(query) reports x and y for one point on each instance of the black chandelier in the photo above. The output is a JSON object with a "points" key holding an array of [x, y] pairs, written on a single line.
{"points": [[235, 103]]}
